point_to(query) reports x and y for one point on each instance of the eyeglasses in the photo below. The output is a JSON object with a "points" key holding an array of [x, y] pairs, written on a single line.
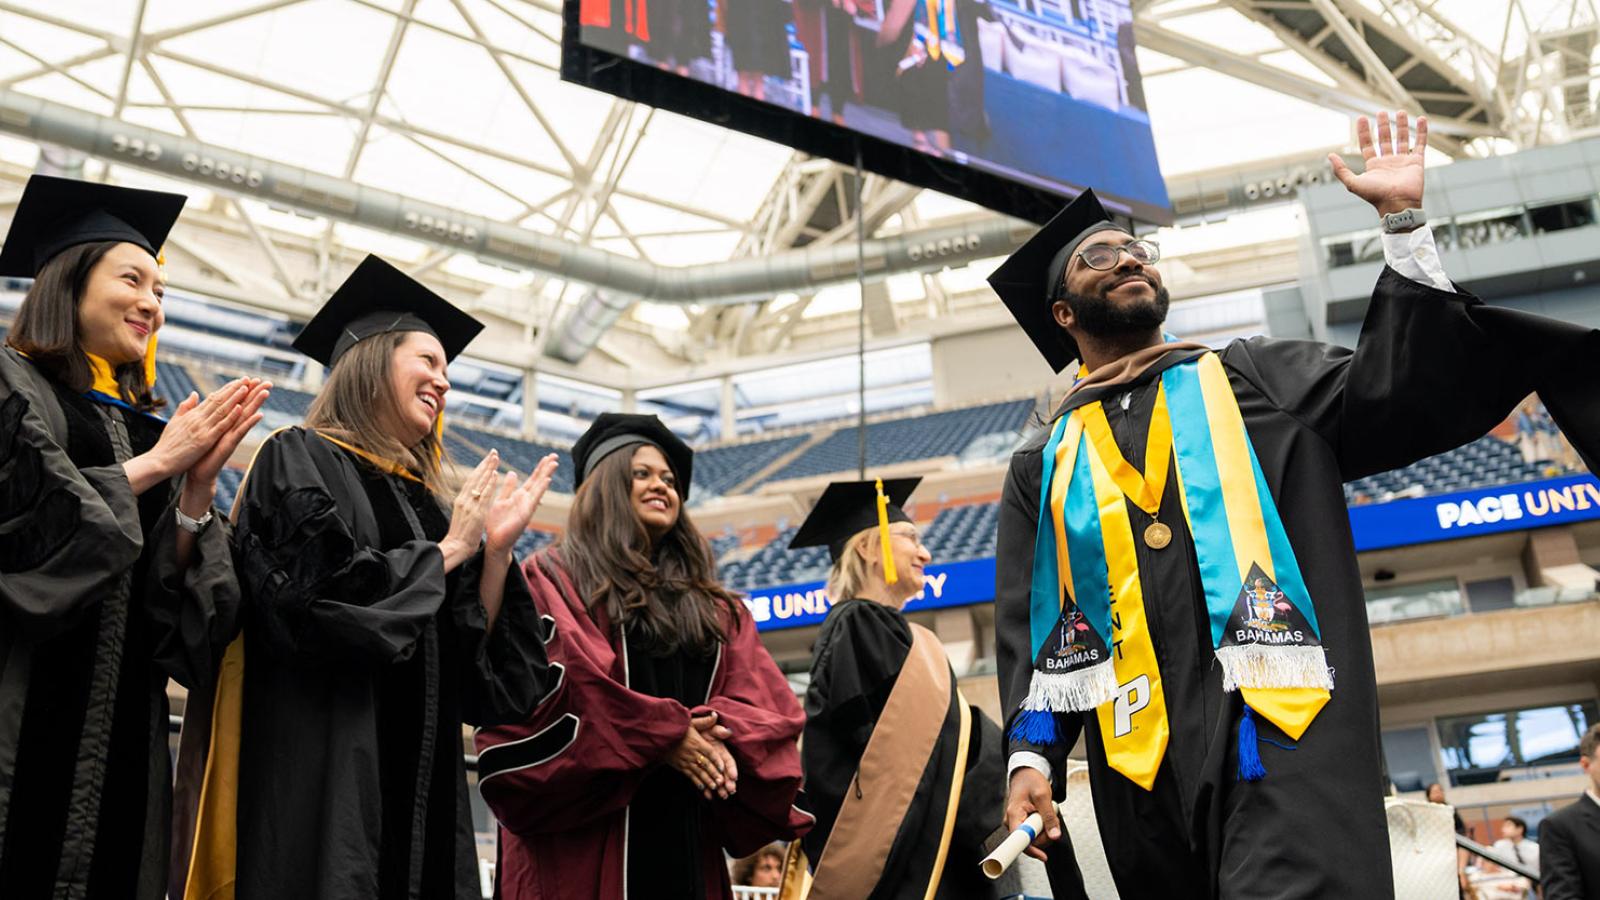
{"points": [[1101, 257]]}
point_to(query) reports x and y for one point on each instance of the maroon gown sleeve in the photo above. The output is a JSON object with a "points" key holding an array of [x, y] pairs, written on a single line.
{"points": [[753, 700], [590, 740]]}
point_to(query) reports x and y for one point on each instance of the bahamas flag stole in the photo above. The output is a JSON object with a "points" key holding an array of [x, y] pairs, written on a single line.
{"points": [[1091, 640]]}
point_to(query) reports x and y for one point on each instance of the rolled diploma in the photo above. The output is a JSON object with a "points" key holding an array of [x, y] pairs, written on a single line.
{"points": [[996, 863]]}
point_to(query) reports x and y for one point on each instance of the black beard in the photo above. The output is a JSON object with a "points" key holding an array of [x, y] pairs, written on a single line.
{"points": [[1099, 317]]}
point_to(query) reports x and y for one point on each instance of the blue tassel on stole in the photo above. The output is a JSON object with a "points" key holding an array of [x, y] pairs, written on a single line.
{"points": [[1035, 726], [1250, 767]]}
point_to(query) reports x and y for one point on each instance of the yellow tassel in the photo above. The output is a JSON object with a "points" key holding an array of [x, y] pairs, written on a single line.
{"points": [[890, 576], [150, 362]]}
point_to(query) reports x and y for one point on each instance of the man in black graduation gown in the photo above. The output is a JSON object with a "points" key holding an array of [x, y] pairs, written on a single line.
{"points": [[1434, 368], [860, 659]]}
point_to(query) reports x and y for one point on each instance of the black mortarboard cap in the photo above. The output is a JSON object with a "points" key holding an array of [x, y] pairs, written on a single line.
{"points": [[57, 213], [847, 508], [376, 299], [613, 431], [1027, 281]]}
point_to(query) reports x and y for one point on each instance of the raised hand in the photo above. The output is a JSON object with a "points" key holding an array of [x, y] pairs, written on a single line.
{"points": [[515, 504], [468, 512], [1393, 173]]}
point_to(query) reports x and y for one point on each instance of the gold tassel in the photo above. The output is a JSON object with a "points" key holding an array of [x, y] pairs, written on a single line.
{"points": [[890, 576]]}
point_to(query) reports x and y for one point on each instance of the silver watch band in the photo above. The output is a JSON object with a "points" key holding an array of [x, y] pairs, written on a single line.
{"points": [[191, 524], [1403, 220]]}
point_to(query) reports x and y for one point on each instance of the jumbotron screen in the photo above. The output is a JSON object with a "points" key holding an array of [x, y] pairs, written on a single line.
{"points": [[1013, 104]]}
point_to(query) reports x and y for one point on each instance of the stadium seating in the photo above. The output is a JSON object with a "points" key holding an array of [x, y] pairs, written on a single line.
{"points": [[173, 384], [518, 454], [775, 564], [1485, 462], [918, 437], [532, 542], [718, 470], [963, 532], [228, 481]]}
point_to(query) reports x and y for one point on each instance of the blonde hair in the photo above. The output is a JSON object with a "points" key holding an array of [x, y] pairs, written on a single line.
{"points": [[851, 571], [354, 400]]}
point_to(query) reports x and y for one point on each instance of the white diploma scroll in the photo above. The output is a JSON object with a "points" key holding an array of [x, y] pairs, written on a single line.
{"points": [[996, 863]]}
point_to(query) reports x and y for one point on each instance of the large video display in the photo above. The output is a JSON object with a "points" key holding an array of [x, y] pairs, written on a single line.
{"points": [[1037, 94]]}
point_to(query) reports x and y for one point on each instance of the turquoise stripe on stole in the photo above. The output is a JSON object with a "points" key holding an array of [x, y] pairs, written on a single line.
{"points": [[1197, 464], [1044, 598], [1086, 546], [1284, 563]]}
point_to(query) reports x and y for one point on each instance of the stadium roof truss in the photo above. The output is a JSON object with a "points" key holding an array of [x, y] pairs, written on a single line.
{"points": [[456, 106]]}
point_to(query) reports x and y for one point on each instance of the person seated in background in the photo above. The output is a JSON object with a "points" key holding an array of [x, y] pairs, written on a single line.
{"points": [[1570, 837], [1514, 844], [763, 868]]}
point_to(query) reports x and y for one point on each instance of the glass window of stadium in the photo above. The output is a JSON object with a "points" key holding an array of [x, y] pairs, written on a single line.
{"points": [[1489, 747], [1418, 600]]}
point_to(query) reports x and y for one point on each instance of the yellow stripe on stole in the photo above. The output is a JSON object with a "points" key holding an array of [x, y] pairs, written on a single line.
{"points": [[1061, 480], [952, 806], [1137, 751], [1291, 709]]}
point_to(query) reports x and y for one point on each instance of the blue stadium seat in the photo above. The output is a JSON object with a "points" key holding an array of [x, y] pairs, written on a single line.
{"points": [[901, 440]]}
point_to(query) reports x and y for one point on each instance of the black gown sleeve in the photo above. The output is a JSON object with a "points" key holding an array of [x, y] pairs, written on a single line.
{"points": [[505, 671], [311, 589], [1432, 370], [1013, 576], [193, 612], [859, 654], [66, 534]]}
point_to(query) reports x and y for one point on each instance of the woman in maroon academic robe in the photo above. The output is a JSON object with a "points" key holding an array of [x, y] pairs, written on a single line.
{"points": [[671, 736]]}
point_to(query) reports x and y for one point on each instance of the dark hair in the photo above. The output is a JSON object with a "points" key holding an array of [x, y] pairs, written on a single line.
{"points": [[1522, 826], [1590, 742], [46, 328], [744, 870], [670, 591]]}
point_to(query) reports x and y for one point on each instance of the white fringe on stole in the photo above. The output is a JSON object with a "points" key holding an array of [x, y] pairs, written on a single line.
{"points": [[1075, 691], [1258, 666]]}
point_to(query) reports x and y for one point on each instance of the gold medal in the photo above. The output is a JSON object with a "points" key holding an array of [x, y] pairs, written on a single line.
{"points": [[1157, 536]]}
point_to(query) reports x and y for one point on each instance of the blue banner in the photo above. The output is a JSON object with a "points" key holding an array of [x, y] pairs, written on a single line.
{"points": [[954, 584], [1446, 517], [1398, 523]]}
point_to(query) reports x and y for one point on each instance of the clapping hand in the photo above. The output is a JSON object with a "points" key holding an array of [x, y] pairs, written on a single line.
{"points": [[469, 511], [251, 396], [192, 436], [1393, 173], [514, 504]]}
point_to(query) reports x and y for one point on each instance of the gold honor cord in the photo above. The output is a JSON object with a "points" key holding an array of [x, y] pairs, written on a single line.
{"points": [[890, 575]]}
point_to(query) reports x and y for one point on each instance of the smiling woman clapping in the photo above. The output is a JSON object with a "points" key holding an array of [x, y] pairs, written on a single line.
{"points": [[115, 572]]}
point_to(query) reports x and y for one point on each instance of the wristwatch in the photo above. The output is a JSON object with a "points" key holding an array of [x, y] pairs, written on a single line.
{"points": [[190, 524], [1404, 220]]}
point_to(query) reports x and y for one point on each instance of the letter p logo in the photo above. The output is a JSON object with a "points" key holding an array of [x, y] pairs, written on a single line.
{"points": [[1131, 697]]}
